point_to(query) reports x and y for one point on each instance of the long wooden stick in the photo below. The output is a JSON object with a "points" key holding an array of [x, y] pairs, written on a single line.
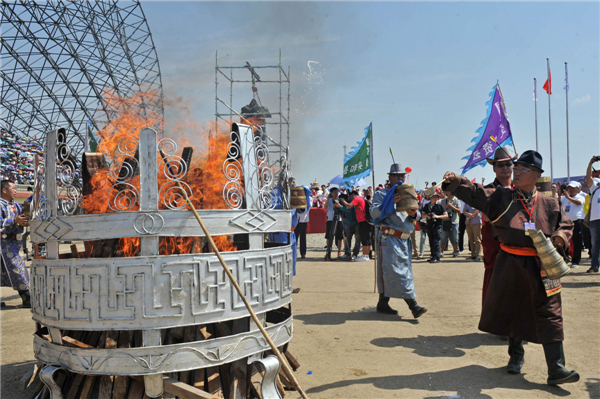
{"points": [[288, 372]]}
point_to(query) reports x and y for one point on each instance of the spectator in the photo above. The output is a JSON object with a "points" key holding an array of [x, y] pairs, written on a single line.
{"points": [[334, 215], [17, 157], [473, 223], [594, 215], [422, 226], [413, 239], [434, 213], [369, 219], [450, 225], [554, 190], [462, 227], [303, 219], [572, 202], [364, 229], [350, 230]]}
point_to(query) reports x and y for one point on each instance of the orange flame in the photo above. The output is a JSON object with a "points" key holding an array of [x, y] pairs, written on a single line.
{"points": [[204, 176]]}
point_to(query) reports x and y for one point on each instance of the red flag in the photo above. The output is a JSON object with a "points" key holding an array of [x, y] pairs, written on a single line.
{"points": [[473, 181], [548, 84]]}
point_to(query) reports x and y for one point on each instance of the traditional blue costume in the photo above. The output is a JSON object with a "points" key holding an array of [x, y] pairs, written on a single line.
{"points": [[14, 272], [394, 263]]}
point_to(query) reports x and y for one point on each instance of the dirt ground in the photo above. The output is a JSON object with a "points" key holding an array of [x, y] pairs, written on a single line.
{"points": [[354, 352]]}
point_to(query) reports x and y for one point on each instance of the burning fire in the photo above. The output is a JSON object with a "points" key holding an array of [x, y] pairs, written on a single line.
{"points": [[204, 176]]}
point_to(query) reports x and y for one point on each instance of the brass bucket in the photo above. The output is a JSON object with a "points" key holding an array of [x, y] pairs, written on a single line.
{"points": [[552, 262], [408, 198], [298, 198]]}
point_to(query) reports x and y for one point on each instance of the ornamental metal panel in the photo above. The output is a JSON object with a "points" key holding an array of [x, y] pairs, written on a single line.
{"points": [[162, 223], [161, 359], [151, 292]]}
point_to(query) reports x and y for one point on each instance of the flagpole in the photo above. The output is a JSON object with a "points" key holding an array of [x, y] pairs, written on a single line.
{"points": [[535, 102], [550, 119], [375, 251], [567, 104], [371, 160]]}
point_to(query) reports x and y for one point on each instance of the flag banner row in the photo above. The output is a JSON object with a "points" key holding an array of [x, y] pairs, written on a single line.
{"points": [[359, 162], [494, 132]]}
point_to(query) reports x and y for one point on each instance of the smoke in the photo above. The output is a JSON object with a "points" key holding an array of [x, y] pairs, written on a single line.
{"points": [[252, 32]]}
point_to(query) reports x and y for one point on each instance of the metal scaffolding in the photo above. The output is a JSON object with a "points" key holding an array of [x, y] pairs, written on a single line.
{"points": [[62, 59], [226, 111]]}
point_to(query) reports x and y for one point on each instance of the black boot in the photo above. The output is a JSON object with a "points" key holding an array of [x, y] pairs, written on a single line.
{"points": [[383, 305], [416, 310], [555, 359], [26, 298], [517, 356]]}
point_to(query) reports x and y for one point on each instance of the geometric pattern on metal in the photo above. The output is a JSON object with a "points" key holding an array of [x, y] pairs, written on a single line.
{"points": [[52, 229], [253, 221], [167, 223], [157, 291], [162, 359], [61, 60]]}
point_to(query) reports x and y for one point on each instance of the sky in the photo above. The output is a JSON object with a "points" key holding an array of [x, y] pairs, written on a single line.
{"points": [[420, 72]]}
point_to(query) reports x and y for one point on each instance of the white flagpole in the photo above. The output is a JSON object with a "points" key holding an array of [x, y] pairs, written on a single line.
{"points": [[550, 119], [375, 250], [535, 102], [567, 104]]}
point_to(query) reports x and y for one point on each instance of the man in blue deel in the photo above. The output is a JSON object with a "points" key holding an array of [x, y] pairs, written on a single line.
{"points": [[394, 263]]}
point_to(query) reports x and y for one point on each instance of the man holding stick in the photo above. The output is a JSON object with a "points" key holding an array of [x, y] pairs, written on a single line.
{"points": [[521, 302]]}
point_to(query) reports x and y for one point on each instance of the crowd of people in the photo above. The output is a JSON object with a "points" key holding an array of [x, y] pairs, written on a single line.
{"points": [[521, 300], [17, 157], [444, 223]]}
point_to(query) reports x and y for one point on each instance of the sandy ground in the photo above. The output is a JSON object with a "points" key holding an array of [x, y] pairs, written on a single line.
{"points": [[354, 352]]}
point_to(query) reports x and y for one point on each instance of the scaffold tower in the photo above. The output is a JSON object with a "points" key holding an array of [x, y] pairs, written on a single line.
{"points": [[269, 80]]}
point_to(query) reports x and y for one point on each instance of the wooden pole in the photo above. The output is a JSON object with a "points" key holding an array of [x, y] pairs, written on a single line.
{"points": [[288, 372]]}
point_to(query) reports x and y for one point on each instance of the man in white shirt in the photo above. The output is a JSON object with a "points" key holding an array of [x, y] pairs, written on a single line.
{"points": [[594, 211], [572, 202]]}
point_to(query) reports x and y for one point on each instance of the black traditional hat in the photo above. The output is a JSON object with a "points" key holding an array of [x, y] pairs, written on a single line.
{"points": [[532, 159], [396, 169], [500, 155]]}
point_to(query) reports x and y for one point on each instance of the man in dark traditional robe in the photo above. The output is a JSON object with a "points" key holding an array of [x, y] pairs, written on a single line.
{"points": [[503, 166], [522, 303]]}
